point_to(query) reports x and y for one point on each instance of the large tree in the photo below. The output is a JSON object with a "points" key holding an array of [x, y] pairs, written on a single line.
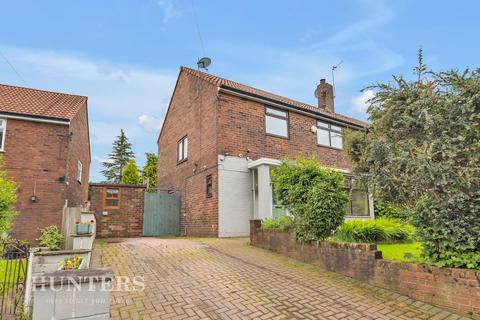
{"points": [[422, 151], [119, 157], [149, 171]]}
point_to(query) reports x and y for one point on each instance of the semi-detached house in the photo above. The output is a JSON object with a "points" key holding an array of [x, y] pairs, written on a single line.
{"points": [[220, 139], [44, 141]]}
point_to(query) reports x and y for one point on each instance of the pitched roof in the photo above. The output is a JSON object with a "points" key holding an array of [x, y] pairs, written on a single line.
{"points": [[39, 103], [224, 83]]}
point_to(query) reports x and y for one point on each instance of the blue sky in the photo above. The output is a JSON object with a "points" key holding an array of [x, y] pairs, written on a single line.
{"points": [[125, 55]]}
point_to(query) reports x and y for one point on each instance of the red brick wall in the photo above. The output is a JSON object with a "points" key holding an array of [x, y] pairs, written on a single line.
{"points": [[78, 149], [457, 290], [127, 220], [241, 127], [192, 112], [36, 153]]}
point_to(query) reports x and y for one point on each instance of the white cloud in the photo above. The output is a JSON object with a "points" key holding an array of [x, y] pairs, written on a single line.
{"points": [[150, 123], [100, 160], [169, 10], [360, 103]]}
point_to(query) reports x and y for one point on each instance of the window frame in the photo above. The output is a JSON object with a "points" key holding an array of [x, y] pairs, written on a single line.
{"points": [[184, 149], [273, 115], [349, 187], [209, 185], [328, 128], [2, 147], [105, 198], [79, 170]]}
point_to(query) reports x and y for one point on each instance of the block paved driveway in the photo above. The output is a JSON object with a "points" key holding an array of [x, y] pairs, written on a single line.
{"points": [[229, 279]]}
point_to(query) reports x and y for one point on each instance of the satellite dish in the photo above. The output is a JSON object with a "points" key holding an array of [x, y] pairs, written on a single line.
{"points": [[204, 63]]}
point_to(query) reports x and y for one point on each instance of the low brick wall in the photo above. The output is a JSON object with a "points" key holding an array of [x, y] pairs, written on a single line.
{"points": [[123, 221], [457, 290]]}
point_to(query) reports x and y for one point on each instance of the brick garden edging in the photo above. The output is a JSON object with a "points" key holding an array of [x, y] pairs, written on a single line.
{"points": [[457, 290]]}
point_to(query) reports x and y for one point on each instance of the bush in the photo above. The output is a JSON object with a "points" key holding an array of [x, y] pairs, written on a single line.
{"points": [[50, 237], [8, 196], [378, 230], [422, 146], [315, 196], [390, 210], [281, 223]]}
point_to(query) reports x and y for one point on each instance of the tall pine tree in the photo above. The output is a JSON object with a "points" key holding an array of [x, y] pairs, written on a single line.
{"points": [[119, 157]]}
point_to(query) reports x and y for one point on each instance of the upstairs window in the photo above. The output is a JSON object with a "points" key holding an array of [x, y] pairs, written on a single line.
{"points": [[3, 127], [329, 135], [79, 171], [111, 198], [209, 186], [182, 149], [276, 122]]}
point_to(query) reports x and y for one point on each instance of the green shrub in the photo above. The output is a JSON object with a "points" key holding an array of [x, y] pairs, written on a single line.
{"points": [[422, 146], [50, 237], [378, 230], [281, 223], [470, 260], [315, 196], [390, 210], [8, 196]]}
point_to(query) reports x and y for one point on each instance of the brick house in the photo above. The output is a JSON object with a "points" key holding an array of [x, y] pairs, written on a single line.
{"points": [[45, 144], [220, 139]]}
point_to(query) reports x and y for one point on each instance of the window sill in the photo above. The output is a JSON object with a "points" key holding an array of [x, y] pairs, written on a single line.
{"points": [[329, 147], [182, 161], [277, 136]]}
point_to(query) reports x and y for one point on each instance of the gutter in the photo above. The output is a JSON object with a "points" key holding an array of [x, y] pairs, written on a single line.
{"points": [[34, 119], [285, 106]]}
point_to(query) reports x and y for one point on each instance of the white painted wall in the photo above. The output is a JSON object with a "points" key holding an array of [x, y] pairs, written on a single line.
{"points": [[235, 200]]}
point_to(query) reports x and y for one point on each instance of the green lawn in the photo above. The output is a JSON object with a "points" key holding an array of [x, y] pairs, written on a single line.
{"points": [[14, 269], [397, 251]]}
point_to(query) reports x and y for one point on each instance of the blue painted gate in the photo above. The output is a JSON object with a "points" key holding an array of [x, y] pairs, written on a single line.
{"points": [[161, 214]]}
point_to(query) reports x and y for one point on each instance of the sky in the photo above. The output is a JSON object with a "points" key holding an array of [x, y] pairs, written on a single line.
{"points": [[125, 55]]}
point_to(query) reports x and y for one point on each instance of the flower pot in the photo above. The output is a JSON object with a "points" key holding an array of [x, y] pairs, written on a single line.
{"points": [[83, 228]]}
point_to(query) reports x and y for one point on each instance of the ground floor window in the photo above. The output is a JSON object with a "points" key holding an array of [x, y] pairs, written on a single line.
{"points": [[358, 205]]}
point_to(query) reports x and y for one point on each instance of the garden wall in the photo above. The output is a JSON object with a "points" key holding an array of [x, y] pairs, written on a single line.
{"points": [[457, 290]]}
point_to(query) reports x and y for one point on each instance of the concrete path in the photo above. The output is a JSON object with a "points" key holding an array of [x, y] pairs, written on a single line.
{"points": [[229, 279]]}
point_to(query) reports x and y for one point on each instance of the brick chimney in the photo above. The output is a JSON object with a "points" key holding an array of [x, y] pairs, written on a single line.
{"points": [[324, 95]]}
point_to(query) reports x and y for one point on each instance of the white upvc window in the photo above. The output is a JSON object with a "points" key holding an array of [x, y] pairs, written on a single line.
{"points": [[276, 122], [329, 135], [182, 149], [79, 171], [3, 133]]}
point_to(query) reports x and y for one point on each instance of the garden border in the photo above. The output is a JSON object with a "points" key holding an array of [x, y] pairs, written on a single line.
{"points": [[457, 290]]}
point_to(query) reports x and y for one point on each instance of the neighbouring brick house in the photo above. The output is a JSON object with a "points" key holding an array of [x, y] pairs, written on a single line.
{"points": [[220, 139], [118, 209], [45, 144]]}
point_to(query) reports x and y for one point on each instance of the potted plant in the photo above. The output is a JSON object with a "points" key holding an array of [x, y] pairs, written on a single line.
{"points": [[50, 238], [71, 263], [84, 227]]}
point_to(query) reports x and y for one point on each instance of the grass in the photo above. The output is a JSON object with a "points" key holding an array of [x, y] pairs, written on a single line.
{"points": [[397, 251], [14, 269]]}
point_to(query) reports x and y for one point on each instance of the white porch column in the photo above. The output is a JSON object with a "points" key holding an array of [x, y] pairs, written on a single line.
{"points": [[264, 192], [264, 199]]}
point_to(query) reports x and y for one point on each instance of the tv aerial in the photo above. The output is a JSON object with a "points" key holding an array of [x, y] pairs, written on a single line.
{"points": [[203, 63], [333, 75]]}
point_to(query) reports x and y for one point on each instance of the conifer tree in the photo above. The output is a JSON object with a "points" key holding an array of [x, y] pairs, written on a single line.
{"points": [[119, 157], [130, 174], [149, 172]]}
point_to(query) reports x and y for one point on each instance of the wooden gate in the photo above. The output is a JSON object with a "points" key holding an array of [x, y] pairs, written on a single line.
{"points": [[161, 215]]}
